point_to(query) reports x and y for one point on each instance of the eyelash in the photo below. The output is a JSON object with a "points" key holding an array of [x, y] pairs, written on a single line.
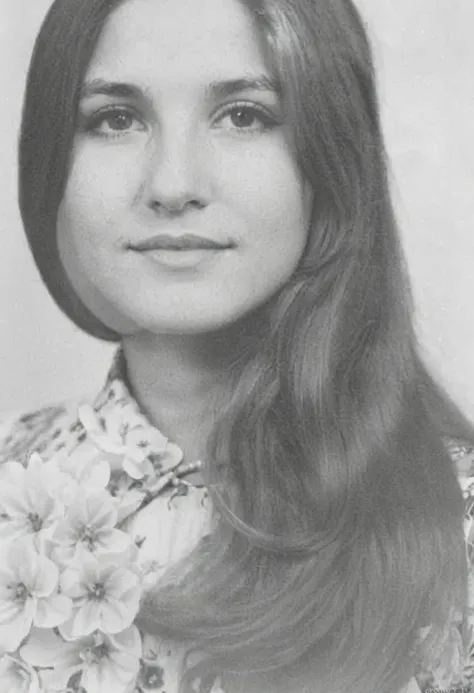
{"points": [[93, 123], [267, 120]]}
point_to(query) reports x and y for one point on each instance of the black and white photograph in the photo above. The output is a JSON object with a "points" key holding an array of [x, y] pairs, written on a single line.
{"points": [[237, 346]]}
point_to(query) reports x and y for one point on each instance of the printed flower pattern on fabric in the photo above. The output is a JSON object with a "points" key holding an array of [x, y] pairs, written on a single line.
{"points": [[18, 677], [453, 666], [28, 511], [20, 436], [77, 553], [95, 506], [66, 586]]}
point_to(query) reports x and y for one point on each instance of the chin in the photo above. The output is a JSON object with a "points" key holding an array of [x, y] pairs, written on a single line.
{"points": [[189, 328], [197, 323]]}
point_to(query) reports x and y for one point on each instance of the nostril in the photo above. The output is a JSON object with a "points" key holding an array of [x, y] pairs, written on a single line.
{"points": [[175, 206]]}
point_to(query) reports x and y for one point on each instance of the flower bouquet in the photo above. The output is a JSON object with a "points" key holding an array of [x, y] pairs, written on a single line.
{"points": [[70, 581]]}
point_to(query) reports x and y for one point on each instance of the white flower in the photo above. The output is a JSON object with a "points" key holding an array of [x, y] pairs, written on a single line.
{"points": [[27, 508], [106, 597], [159, 455], [165, 461], [101, 662], [110, 437], [17, 677], [68, 472], [89, 528], [28, 595], [127, 441], [127, 496]]}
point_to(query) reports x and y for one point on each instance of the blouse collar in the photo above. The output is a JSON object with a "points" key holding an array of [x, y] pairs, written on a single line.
{"points": [[117, 426]]}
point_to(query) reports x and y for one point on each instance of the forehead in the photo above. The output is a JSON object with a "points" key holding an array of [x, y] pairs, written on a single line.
{"points": [[175, 41]]}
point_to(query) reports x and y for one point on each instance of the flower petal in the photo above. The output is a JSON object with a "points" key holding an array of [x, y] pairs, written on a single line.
{"points": [[46, 649], [172, 456], [117, 615], [89, 420], [71, 584], [9, 610], [18, 676], [12, 473], [86, 620], [125, 664], [112, 541], [120, 582], [13, 633], [132, 468], [53, 611], [97, 476], [41, 576], [111, 673], [35, 463], [128, 640], [101, 512], [56, 680], [12, 532], [13, 502], [114, 617]]}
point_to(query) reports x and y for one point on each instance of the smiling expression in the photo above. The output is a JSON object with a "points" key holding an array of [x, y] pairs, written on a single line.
{"points": [[185, 209]]}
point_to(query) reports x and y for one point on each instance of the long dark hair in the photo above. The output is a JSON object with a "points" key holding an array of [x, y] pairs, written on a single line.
{"points": [[344, 535]]}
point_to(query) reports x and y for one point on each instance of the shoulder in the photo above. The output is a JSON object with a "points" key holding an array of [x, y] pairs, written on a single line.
{"points": [[32, 431]]}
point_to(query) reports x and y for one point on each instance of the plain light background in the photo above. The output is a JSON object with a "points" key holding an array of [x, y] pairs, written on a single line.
{"points": [[425, 57]]}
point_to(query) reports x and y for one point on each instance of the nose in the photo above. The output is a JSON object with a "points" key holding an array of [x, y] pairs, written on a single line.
{"points": [[178, 175]]}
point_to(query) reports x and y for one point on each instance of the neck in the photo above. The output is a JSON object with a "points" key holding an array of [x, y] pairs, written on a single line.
{"points": [[175, 378], [168, 370]]}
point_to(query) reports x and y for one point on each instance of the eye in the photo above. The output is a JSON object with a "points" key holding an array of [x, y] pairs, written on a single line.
{"points": [[245, 118], [113, 122]]}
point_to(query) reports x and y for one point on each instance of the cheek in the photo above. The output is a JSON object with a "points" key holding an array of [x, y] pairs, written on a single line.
{"points": [[87, 266], [268, 192], [87, 225], [78, 241], [101, 184], [83, 205], [265, 172], [87, 218]]}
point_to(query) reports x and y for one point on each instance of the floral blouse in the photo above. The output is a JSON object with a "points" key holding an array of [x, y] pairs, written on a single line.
{"points": [[94, 506]]}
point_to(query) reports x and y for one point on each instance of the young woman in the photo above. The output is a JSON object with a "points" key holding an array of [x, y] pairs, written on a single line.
{"points": [[261, 499]]}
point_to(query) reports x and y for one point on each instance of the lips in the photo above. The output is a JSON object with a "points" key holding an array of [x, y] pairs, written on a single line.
{"points": [[184, 242]]}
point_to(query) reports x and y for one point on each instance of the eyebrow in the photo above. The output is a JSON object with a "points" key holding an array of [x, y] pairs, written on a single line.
{"points": [[218, 89], [221, 90], [101, 87]]}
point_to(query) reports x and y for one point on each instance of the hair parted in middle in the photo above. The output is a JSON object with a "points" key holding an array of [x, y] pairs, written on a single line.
{"points": [[344, 535]]}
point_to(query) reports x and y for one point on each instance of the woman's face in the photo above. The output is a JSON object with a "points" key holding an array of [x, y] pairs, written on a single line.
{"points": [[185, 209]]}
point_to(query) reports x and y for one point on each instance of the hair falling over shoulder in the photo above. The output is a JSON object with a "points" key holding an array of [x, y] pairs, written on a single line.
{"points": [[340, 531], [346, 535]]}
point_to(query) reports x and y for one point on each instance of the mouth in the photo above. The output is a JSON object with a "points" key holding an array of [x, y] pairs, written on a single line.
{"points": [[185, 242], [185, 253]]}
